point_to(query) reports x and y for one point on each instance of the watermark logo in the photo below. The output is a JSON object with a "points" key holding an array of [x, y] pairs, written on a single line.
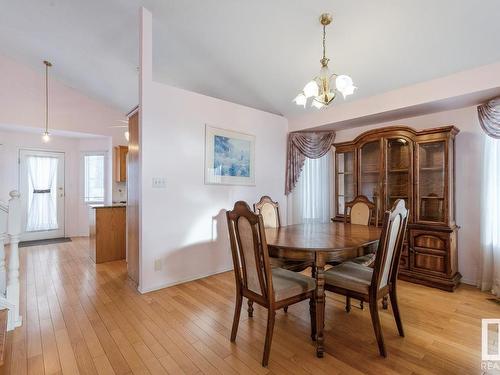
{"points": [[490, 350]]}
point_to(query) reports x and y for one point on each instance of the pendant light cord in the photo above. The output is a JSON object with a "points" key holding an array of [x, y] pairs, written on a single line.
{"points": [[46, 97]]}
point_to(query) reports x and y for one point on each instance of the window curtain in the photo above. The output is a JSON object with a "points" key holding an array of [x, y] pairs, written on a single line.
{"points": [[42, 205], [489, 270], [302, 145], [310, 200]]}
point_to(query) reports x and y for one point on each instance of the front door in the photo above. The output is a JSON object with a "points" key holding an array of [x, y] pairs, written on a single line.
{"points": [[41, 184]]}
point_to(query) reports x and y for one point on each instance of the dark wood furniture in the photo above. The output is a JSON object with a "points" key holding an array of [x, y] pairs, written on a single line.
{"points": [[372, 284], [398, 162], [120, 161], [270, 211], [107, 232], [272, 288], [320, 243]]}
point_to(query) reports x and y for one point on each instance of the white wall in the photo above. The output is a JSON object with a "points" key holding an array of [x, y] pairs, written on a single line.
{"points": [[468, 177], [76, 214], [184, 225]]}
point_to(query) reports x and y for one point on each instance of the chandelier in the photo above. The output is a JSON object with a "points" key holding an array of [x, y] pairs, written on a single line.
{"points": [[324, 87]]}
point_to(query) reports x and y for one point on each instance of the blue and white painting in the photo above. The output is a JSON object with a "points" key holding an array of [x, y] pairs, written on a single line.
{"points": [[229, 157]]}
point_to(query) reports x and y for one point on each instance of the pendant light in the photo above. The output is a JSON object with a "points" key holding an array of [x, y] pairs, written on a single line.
{"points": [[324, 87], [46, 135]]}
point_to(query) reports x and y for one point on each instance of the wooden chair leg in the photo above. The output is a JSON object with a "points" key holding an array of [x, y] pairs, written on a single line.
{"points": [[312, 312], [361, 305], [285, 309], [395, 311], [271, 314], [347, 304], [385, 304], [236, 318], [377, 328], [250, 308]]}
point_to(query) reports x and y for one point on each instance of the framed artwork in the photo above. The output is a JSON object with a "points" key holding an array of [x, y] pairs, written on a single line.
{"points": [[229, 157]]}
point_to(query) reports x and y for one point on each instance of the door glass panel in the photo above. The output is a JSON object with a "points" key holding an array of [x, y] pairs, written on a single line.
{"points": [[345, 180], [431, 181], [42, 193], [370, 171], [398, 171]]}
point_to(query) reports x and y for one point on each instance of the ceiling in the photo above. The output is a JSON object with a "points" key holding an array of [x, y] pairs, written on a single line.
{"points": [[258, 53]]}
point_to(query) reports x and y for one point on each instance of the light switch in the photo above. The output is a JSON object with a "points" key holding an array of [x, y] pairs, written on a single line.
{"points": [[159, 182]]}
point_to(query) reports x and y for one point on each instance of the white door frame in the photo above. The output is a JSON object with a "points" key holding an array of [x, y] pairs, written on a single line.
{"points": [[61, 199]]}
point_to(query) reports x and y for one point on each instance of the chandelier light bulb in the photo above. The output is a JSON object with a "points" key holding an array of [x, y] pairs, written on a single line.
{"points": [[127, 135], [300, 99], [45, 137], [317, 104], [345, 85], [311, 89]]}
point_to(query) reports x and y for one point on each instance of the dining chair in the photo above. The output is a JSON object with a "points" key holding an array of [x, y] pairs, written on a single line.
{"points": [[372, 284], [270, 211], [360, 211], [272, 288]]}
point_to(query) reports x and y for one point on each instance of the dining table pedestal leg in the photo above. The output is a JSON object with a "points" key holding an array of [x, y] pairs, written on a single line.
{"points": [[320, 303]]}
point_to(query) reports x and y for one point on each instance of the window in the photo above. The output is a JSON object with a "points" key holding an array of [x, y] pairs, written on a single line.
{"points": [[94, 168], [311, 196]]}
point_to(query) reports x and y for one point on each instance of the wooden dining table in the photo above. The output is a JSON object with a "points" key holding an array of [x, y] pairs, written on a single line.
{"points": [[320, 243]]}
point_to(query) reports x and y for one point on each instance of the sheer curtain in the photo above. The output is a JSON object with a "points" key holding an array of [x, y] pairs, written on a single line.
{"points": [[310, 200], [489, 276], [42, 204]]}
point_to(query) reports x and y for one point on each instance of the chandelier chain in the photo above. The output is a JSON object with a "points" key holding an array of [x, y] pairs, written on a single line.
{"points": [[324, 41]]}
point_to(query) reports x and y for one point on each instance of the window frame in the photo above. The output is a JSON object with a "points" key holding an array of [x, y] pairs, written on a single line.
{"points": [[84, 176]]}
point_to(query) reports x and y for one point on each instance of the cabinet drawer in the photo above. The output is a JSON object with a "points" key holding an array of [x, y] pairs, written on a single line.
{"points": [[429, 262]]}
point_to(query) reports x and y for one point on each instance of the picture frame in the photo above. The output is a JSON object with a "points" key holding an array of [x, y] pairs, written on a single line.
{"points": [[229, 157]]}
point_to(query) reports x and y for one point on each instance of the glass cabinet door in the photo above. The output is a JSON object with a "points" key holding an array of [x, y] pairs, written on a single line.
{"points": [[369, 173], [431, 181], [345, 180], [399, 168]]}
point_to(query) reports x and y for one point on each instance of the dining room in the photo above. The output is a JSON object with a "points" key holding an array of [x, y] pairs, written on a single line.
{"points": [[266, 203]]}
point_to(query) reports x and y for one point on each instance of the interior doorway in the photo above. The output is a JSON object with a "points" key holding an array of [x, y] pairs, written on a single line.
{"points": [[41, 184]]}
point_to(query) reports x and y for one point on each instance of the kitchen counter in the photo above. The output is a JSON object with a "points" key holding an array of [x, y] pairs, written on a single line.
{"points": [[108, 205], [107, 228]]}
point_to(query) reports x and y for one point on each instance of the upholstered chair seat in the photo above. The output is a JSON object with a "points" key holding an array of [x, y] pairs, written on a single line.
{"points": [[366, 260], [350, 275], [289, 284]]}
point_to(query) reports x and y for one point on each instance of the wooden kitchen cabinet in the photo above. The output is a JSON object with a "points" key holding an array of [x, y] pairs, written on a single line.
{"points": [[121, 163], [107, 232]]}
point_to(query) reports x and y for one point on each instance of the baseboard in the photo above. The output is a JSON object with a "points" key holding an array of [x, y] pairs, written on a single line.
{"points": [[468, 282], [166, 285]]}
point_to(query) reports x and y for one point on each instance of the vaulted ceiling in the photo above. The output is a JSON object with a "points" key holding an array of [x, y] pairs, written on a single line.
{"points": [[257, 53]]}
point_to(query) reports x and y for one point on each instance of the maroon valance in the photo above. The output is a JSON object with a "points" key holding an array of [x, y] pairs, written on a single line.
{"points": [[302, 145], [489, 117]]}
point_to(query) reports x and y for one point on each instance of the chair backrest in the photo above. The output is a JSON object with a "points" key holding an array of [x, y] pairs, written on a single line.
{"points": [[270, 211], [385, 270], [359, 211], [249, 250]]}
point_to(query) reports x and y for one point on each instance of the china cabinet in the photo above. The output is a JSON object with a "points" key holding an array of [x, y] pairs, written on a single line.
{"points": [[399, 162]]}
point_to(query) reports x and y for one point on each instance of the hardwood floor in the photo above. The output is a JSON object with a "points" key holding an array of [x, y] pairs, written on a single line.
{"points": [[88, 319]]}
